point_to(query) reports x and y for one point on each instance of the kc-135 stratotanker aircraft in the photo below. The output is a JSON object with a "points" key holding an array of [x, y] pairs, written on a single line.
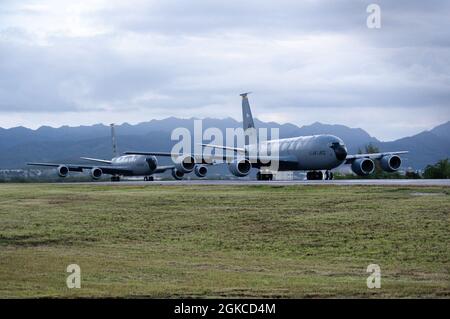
{"points": [[125, 165], [314, 154]]}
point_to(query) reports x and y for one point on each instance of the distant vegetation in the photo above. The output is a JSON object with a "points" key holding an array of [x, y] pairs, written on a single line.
{"points": [[439, 170]]}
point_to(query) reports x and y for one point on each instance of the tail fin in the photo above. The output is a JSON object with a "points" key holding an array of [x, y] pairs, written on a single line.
{"points": [[248, 123], [247, 112]]}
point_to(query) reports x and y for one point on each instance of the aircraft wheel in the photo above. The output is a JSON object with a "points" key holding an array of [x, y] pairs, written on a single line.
{"points": [[264, 176], [314, 176], [310, 176], [328, 175]]}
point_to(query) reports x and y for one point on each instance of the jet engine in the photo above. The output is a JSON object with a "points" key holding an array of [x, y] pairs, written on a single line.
{"points": [[240, 168], [178, 175], [185, 164], [96, 173], [201, 170], [63, 171], [390, 163], [152, 163], [363, 166]]}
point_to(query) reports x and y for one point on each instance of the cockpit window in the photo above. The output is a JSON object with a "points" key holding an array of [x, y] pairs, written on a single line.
{"points": [[336, 144]]}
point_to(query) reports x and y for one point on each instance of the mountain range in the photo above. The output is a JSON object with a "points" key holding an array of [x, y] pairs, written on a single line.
{"points": [[20, 145]]}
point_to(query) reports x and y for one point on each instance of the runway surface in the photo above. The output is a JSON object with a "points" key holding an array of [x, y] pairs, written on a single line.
{"points": [[374, 182]]}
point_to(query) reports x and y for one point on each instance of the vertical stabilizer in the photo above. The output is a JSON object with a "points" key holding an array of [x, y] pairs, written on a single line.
{"points": [[247, 112], [247, 118]]}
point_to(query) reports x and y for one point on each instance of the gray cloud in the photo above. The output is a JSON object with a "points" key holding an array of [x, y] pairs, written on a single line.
{"points": [[163, 58]]}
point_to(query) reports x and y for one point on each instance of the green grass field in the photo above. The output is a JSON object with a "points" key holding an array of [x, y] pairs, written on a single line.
{"points": [[224, 241]]}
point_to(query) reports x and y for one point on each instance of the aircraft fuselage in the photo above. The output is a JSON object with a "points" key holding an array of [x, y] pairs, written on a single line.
{"points": [[137, 164], [318, 152]]}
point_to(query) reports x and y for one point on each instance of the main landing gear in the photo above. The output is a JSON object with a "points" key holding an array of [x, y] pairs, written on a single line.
{"points": [[115, 178], [314, 176], [148, 178], [264, 176], [318, 175]]}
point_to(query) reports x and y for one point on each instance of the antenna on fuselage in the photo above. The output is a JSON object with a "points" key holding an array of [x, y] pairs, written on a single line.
{"points": [[113, 139]]}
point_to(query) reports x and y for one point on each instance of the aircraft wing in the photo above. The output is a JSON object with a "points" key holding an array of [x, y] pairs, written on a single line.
{"points": [[235, 149], [257, 161], [199, 158], [106, 169], [96, 160], [151, 153], [162, 169], [350, 158]]}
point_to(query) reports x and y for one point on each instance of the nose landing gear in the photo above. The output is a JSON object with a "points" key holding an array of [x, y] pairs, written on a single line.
{"points": [[264, 176], [148, 178]]}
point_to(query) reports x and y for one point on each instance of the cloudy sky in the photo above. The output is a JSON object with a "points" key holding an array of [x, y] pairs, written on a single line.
{"points": [[84, 62]]}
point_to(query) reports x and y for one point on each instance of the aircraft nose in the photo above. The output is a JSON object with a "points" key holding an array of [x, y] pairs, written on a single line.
{"points": [[340, 151]]}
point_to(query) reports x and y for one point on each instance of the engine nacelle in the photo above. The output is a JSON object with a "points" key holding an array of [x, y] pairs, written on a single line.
{"points": [[201, 170], [390, 163], [178, 175], [185, 164], [152, 163], [96, 173], [240, 168], [63, 171], [363, 166]]}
